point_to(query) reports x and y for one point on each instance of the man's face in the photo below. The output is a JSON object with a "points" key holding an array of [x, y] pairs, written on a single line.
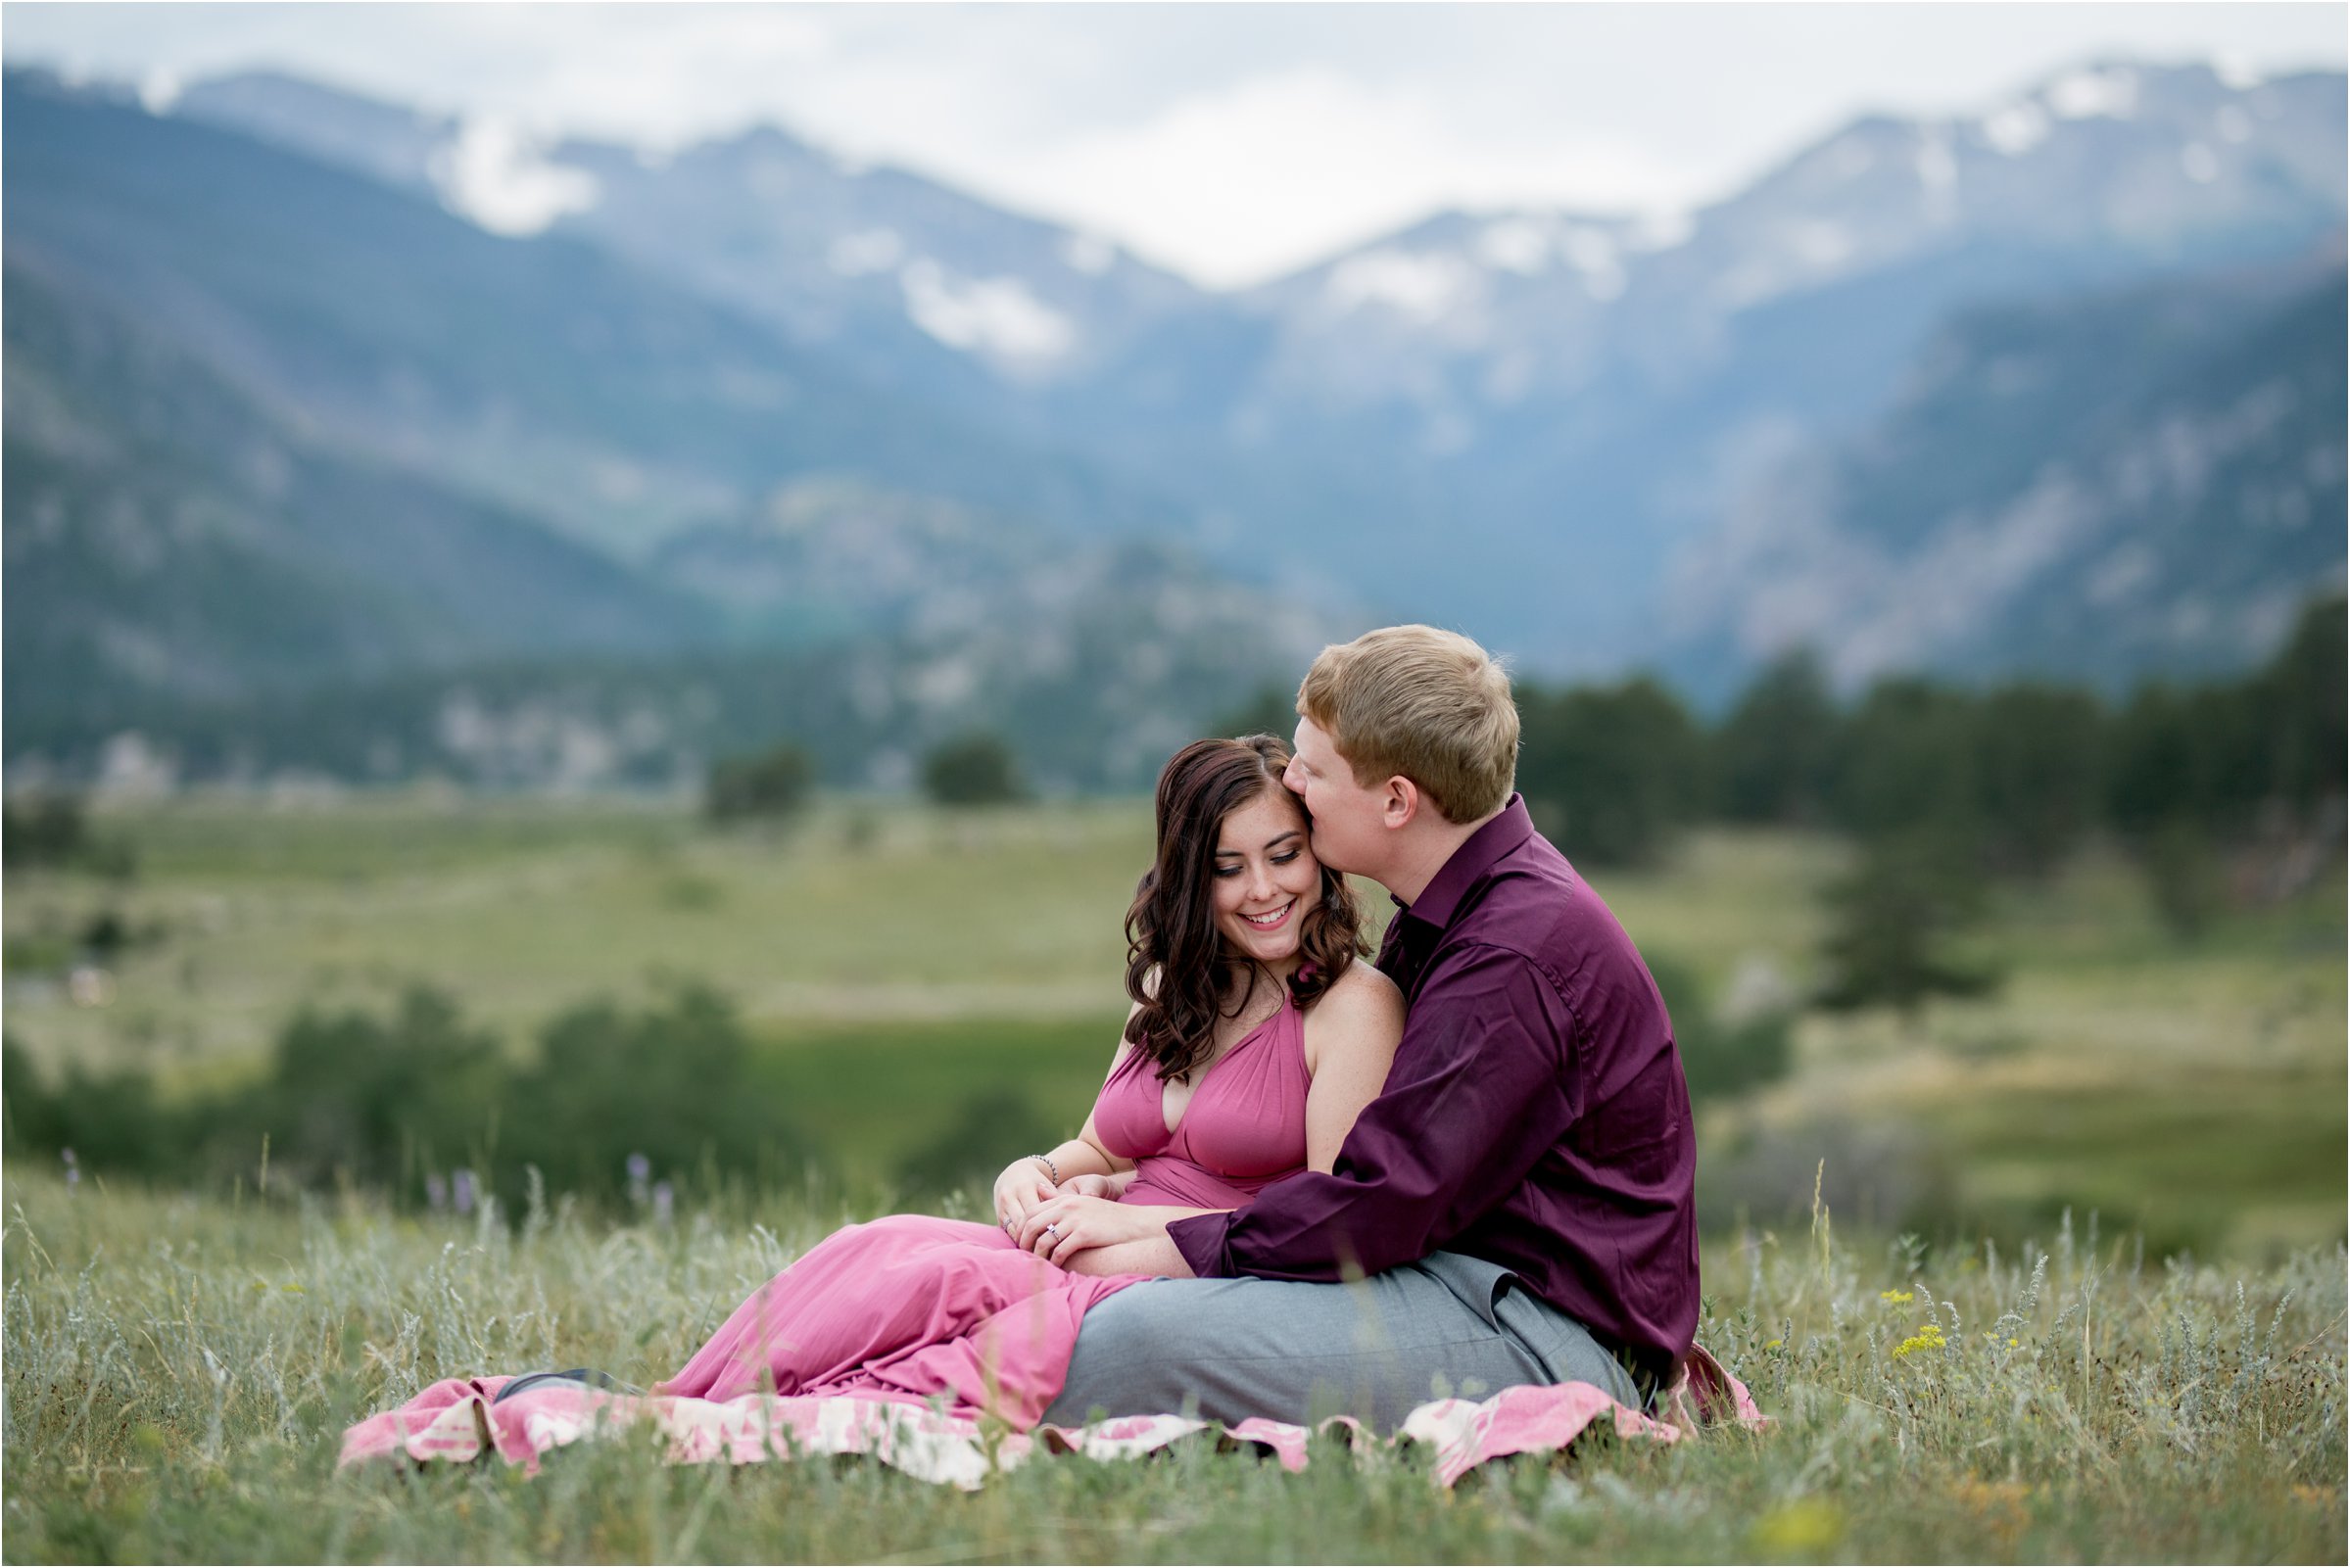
{"points": [[1348, 832]]}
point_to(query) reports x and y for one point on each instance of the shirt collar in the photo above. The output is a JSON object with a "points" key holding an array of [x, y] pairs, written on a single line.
{"points": [[1473, 859]]}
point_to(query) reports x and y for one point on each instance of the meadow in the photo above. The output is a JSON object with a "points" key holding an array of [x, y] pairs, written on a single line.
{"points": [[2164, 1121], [179, 1372], [904, 967]]}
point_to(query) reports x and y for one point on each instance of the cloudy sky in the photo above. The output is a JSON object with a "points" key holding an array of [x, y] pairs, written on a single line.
{"points": [[1229, 142]]}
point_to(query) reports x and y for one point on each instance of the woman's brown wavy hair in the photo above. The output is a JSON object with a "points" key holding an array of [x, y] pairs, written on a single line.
{"points": [[1178, 966]]}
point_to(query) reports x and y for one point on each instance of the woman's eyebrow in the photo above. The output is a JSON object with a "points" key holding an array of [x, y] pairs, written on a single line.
{"points": [[1269, 844]]}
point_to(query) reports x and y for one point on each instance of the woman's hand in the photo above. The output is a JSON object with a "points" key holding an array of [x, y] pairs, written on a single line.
{"points": [[1058, 1230], [1093, 1185], [1019, 1190]]}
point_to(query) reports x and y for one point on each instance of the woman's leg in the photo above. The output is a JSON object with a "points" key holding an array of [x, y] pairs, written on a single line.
{"points": [[865, 1292]]}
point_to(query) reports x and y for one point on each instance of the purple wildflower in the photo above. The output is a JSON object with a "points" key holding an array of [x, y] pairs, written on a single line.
{"points": [[436, 1191], [72, 1168], [464, 1182], [664, 1201]]}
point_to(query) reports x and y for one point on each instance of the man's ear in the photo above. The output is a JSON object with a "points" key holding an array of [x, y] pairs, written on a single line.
{"points": [[1400, 805]]}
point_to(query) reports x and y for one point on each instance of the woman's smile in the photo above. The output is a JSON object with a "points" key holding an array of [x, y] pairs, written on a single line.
{"points": [[1266, 877]]}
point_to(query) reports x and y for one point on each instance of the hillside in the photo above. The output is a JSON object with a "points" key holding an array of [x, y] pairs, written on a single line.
{"points": [[170, 538], [541, 371], [2146, 479], [1570, 402]]}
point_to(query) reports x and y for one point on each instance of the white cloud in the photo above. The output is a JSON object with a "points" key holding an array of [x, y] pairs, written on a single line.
{"points": [[1277, 172], [1228, 141]]}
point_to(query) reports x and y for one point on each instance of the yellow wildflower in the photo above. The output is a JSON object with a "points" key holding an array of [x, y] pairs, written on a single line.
{"points": [[1897, 1297], [1928, 1336], [1801, 1527]]}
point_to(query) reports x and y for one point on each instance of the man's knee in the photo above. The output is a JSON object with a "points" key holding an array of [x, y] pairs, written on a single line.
{"points": [[1139, 1321]]}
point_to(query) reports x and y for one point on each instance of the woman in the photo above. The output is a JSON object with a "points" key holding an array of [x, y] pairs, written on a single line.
{"points": [[1257, 1034]]}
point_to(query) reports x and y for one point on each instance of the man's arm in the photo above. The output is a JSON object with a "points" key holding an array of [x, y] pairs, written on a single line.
{"points": [[1152, 1254], [1479, 1092]]}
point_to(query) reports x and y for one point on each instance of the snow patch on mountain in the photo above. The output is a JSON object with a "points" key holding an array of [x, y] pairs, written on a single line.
{"points": [[1424, 286], [2236, 74], [867, 251], [1847, 158], [2107, 94], [1654, 233], [1596, 254], [502, 180], [2016, 128], [997, 317], [160, 89], [1515, 245], [1089, 254], [1936, 165]]}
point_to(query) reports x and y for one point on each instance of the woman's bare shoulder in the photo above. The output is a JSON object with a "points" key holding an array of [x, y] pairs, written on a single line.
{"points": [[1364, 980], [1360, 996]]}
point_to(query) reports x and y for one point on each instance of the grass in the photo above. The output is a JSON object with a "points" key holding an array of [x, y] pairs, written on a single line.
{"points": [[179, 1372], [852, 916], [179, 1366]]}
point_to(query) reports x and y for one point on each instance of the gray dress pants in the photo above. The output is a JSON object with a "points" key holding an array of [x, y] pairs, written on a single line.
{"points": [[1231, 1349]]}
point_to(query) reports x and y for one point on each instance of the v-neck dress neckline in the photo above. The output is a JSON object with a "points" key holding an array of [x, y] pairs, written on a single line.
{"points": [[1243, 1128]]}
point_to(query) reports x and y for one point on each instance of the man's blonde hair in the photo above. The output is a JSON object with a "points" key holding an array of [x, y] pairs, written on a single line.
{"points": [[1425, 704]]}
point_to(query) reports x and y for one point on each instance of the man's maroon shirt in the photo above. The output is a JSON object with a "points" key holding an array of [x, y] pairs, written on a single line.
{"points": [[1536, 1115]]}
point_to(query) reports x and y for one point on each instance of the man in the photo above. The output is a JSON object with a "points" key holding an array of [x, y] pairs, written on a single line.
{"points": [[1516, 1204]]}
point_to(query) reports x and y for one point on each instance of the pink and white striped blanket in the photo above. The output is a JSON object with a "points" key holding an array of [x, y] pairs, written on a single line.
{"points": [[458, 1420]]}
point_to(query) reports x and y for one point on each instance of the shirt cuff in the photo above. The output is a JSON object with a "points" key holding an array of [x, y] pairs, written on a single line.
{"points": [[1200, 1238]]}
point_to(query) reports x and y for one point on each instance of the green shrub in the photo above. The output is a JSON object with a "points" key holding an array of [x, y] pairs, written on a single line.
{"points": [[1892, 920], [972, 770], [52, 829], [772, 783], [1722, 1058], [2185, 876], [670, 1082]]}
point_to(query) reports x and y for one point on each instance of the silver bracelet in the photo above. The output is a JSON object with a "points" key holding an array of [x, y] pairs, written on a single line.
{"points": [[1050, 1168]]}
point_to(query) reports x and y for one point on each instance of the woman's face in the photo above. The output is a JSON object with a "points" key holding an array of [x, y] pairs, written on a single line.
{"points": [[1266, 877]]}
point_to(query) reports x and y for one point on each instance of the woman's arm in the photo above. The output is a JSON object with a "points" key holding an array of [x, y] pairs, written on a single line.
{"points": [[1033, 1179], [1351, 1037], [1154, 1254]]}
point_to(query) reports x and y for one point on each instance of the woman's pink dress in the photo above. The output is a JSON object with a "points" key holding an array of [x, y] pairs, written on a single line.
{"points": [[909, 1307]]}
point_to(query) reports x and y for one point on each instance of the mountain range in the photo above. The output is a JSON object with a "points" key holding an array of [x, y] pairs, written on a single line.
{"points": [[2053, 388]]}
